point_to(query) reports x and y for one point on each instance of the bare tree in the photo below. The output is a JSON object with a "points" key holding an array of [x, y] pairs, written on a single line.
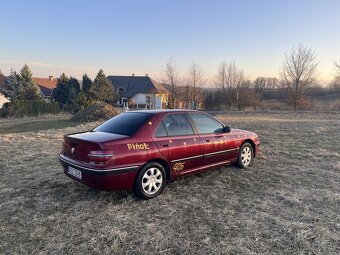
{"points": [[171, 78], [298, 73], [337, 68], [228, 80], [263, 84], [195, 81]]}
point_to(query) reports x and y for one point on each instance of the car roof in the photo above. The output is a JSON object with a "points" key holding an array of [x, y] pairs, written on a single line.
{"points": [[165, 111]]}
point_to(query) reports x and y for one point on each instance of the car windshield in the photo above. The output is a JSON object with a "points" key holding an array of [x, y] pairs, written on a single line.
{"points": [[124, 124]]}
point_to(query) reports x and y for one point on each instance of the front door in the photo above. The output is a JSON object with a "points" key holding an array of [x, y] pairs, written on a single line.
{"points": [[178, 143], [219, 146]]}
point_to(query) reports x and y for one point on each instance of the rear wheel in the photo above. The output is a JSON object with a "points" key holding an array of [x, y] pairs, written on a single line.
{"points": [[150, 180], [245, 156]]}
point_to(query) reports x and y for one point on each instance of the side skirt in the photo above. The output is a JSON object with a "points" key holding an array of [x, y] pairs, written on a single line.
{"points": [[206, 167]]}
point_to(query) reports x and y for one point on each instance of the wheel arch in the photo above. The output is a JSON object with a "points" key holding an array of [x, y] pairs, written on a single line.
{"points": [[252, 145], [164, 163]]}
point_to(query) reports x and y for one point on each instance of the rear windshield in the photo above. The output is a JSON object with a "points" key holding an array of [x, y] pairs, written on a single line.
{"points": [[124, 124]]}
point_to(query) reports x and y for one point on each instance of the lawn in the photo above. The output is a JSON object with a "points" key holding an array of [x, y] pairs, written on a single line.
{"points": [[288, 202], [18, 125]]}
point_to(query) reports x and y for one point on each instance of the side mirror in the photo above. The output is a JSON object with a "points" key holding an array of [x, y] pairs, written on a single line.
{"points": [[226, 129]]}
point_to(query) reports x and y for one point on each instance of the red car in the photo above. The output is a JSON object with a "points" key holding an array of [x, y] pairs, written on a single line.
{"points": [[144, 149]]}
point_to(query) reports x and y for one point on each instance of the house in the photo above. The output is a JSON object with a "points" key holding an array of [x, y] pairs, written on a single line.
{"points": [[3, 99], [46, 86], [140, 92]]}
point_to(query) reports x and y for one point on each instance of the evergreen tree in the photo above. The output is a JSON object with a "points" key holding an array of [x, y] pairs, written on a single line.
{"points": [[60, 93], [73, 87], [87, 84], [31, 89], [13, 88], [103, 90]]}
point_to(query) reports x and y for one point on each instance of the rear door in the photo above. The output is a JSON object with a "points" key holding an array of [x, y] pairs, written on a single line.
{"points": [[178, 143], [219, 146]]}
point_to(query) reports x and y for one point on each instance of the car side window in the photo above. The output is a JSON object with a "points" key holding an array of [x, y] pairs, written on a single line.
{"points": [[161, 132], [206, 124], [177, 124]]}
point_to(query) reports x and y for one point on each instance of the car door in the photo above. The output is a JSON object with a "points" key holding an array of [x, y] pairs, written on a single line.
{"points": [[218, 146], [178, 143]]}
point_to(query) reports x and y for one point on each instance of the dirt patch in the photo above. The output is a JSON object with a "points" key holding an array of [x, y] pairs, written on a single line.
{"points": [[95, 112], [288, 202]]}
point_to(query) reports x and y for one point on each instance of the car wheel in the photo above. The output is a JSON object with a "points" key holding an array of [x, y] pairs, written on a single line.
{"points": [[150, 180], [245, 155]]}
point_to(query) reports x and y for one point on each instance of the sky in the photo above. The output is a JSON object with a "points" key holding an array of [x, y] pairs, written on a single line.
{"points": [[127, 36]]}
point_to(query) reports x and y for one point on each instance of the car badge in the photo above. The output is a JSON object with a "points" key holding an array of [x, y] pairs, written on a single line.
{"points": [[72, 150]]}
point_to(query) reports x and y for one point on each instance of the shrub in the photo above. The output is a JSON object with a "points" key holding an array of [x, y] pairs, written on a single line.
{"points": [[29, 108]]}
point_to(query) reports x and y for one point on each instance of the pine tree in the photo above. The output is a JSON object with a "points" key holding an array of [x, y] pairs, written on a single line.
{"points": [[31, 89], [73, 87], [84, 97], [102, 89], [87, 84], [60, 93], [13, 88]]}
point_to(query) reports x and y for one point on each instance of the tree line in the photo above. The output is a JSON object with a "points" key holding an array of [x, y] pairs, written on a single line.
{"points": [[69, 94], [72, 97], [231, 89]]}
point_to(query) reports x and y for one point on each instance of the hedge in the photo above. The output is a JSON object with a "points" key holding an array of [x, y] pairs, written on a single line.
{"points": [[30, 108]]}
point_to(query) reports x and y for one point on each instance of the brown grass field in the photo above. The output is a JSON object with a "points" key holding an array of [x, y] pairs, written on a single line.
{"points": [[288, 202]]}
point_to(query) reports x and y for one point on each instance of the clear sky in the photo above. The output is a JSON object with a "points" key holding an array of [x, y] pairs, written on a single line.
{"points": [[125, 37]]}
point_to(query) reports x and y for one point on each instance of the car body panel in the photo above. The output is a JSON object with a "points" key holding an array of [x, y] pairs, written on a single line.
{"points": [[180, 155]]}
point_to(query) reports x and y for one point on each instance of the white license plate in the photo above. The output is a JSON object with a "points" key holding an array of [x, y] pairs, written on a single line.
{"points": [[74, 172]]}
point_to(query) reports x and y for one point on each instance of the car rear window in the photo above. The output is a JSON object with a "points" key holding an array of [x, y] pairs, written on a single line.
{"points": [[124, 124]]}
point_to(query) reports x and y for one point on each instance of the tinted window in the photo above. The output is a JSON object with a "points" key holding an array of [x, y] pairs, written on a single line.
{"points": [[161, 132], [177, 124], [206, 124], [124, 124]]}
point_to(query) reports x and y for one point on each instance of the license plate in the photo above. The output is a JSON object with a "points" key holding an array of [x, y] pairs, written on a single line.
{"points": [[74, 172]]}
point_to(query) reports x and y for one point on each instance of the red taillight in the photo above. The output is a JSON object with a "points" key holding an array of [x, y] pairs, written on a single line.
{"points": [[100, 156]]}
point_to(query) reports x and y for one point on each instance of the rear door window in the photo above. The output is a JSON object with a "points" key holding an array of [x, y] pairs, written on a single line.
{"points": [[177, 125]]}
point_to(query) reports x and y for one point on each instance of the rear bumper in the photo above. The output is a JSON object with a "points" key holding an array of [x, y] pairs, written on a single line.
{"points": [[104, 179]]}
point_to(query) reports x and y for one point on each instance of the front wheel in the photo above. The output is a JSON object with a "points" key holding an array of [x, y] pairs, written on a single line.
{"points": [[245, 156], [150, 180]]}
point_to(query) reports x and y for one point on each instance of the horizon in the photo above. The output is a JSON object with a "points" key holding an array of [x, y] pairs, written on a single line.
{"points": [[125, 37]]}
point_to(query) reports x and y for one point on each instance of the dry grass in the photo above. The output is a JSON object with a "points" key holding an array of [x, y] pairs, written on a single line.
{"points": [[44, 122], [287, 203]]}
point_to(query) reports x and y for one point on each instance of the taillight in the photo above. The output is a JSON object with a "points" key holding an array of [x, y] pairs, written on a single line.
{"points": [[100, 156]]}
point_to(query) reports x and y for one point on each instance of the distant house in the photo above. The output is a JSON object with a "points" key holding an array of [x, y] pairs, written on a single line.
{"points": [[3, 99], [140, 92], [46, 85]]}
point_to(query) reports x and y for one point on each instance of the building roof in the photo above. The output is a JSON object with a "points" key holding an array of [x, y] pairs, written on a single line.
{"points": [[133, 85], [46, 85]]}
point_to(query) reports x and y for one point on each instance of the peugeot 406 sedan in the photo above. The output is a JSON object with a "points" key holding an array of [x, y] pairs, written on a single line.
{"points": [[142, 150]]}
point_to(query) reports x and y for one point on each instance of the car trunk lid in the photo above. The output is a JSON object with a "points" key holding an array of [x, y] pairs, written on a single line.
{"points": [[79, 146]]}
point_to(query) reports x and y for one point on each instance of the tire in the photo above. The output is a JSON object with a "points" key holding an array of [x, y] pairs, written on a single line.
{"points": [[245, 155], [150, 181]]}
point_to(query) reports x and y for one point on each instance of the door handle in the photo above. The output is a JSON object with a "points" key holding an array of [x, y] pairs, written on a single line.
{"points": [[207, 140], [165, 145]]}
